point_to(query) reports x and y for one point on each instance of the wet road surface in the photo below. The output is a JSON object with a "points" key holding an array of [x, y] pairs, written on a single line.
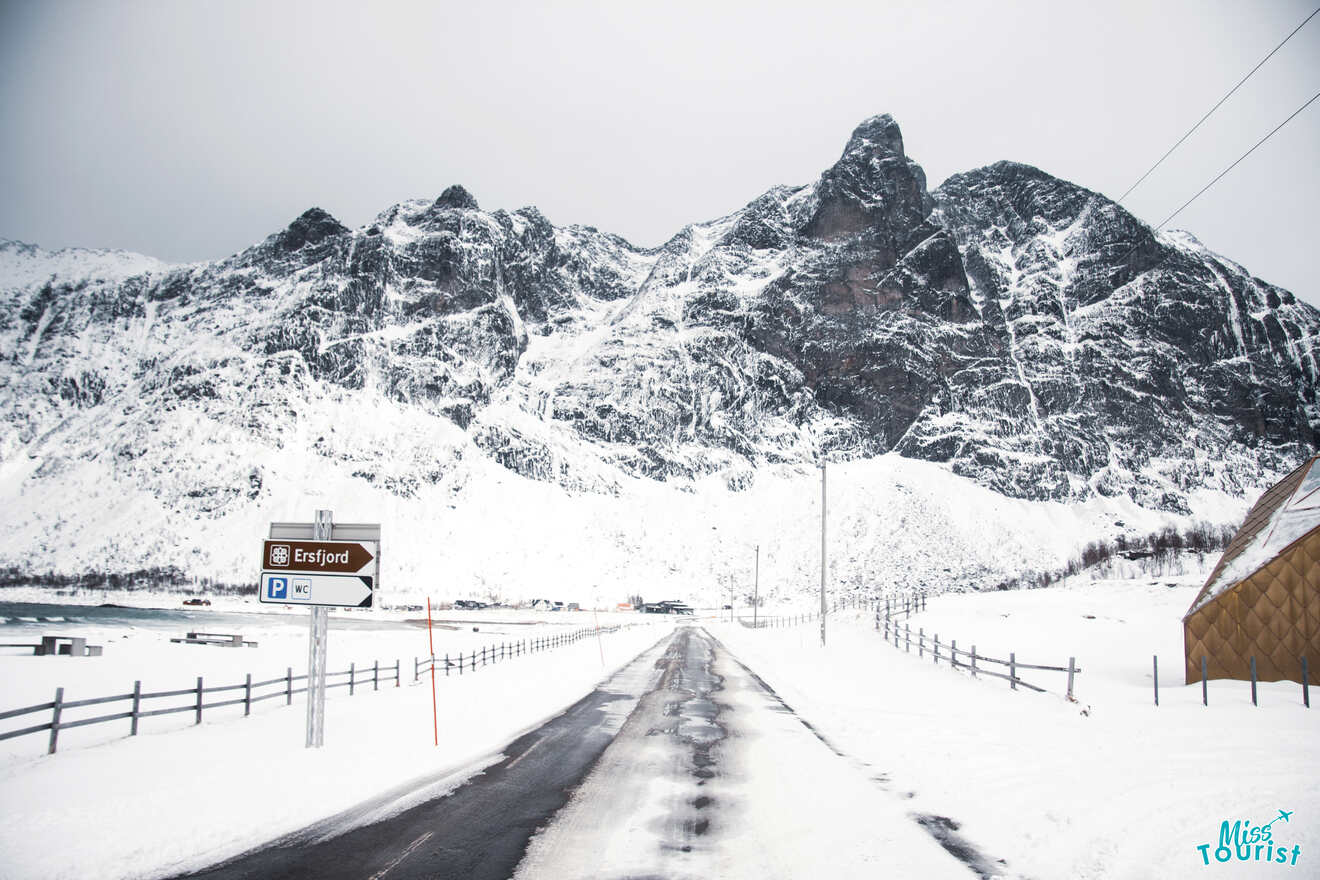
{"points": [[684, 765], [480, 829]]}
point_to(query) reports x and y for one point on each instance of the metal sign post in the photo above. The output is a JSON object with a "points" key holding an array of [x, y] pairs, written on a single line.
{"points": [[317, 636], [320, 565]]}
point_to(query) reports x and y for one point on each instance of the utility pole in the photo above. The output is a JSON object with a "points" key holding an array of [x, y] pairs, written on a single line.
{"points": [[822, 553], [756, 588]]}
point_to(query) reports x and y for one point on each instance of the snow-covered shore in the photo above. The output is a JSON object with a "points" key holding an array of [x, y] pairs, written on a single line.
{"points": [[179, 796], [1110, 786]]}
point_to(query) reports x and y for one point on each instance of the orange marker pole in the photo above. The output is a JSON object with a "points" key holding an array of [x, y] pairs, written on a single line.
{"points": [[596, 615], [435, 715]]}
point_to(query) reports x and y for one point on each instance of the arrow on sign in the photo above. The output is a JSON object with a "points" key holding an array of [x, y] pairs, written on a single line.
{"points": [[294, 588], [342, 557]]}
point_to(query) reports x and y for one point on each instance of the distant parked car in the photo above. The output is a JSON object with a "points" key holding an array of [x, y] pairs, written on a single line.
{"points": [[469, 604], [196, 601]]}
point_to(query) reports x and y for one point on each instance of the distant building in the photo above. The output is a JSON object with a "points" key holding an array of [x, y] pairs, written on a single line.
{"points": [[1263, 598], [669, 606]]}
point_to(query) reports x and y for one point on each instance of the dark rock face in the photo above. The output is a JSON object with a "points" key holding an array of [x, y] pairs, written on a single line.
{"points": [[1027, 331], [312, 228], [457, 197], [1139, 356]]}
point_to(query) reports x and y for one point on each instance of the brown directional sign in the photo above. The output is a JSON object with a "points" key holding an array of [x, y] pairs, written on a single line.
{"points": [[316, 557]]}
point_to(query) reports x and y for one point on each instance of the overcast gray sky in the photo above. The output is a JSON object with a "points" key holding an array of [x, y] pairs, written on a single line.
{"points": [[189, 130]]}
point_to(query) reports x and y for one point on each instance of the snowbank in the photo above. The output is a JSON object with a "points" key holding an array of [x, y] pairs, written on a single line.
{"points": [[1109, 787], [171, 800]]}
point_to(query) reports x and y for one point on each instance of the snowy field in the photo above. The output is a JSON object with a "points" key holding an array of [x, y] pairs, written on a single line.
{"points": [[892, 520], [1108, 787], [138, 646], [179, 796]]}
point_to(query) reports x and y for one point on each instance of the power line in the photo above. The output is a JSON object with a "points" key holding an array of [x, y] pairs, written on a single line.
{"points": [[1239, 159], [1216, 107]]}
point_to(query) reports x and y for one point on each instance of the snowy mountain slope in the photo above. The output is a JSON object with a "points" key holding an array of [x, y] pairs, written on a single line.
{"points": [[1017, 329], [1134, 361]]}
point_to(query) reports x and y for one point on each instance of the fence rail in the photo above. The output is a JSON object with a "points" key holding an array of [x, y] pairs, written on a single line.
{"points": [[902, 637], [505, 651], [775, 621], [354, 678]]}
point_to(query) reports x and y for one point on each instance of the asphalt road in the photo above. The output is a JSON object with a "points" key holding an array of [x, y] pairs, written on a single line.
{"points": [[685, 764], [480, 830]]}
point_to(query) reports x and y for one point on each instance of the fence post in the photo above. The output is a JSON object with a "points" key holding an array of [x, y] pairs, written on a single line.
{"points": [[921, 641], [1306, 686], [1012, 670], [352, 675], [247, 696], [1155, 667], [417, 666], [199, 700], [55, 720], [953, 653], [973, 661], [1071, 669], [375, 675], [288, 686], [1205, 691], [447, 666], [397, 682], [907, 638], [1253, 679], [937, 649], [137, 707]]}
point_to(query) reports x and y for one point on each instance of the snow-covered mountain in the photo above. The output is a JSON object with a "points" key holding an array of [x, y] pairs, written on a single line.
{"points": [[1024, 333]]}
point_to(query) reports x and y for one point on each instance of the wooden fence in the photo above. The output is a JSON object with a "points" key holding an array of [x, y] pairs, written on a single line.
{"points": [[353, 678], [773, 621], [505, 651], [902, 637], [904, 606]]}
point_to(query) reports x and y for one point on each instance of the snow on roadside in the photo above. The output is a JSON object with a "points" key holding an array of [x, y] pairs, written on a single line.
{"points": [[1126, 790], [166, 802]]}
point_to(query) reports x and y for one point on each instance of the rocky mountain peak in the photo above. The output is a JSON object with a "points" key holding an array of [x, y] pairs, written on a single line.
{"points": [[1021, 330], [878, 136], [457, 197], [312, 227], [873, 189]]}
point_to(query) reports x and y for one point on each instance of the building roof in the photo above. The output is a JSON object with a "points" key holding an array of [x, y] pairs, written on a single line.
{"points": [[1286, 512]]}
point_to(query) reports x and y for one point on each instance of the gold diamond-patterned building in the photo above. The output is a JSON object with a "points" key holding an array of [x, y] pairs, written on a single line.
{"points": [[1263, 597]]}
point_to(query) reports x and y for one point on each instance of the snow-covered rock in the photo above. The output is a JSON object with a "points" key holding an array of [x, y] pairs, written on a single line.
{"points": [[1018, 329]]}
